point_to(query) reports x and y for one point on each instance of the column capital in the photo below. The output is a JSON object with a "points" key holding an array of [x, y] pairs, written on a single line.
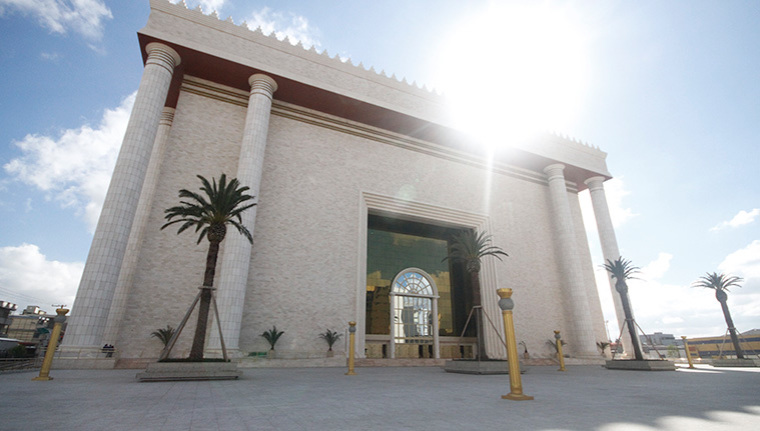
{"points": [[262, 84], [595, 183], [554, 171], [162, 55]]}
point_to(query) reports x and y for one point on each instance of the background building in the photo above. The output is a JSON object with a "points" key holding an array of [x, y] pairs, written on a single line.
{"points": [[6, 308], [712, 347]]}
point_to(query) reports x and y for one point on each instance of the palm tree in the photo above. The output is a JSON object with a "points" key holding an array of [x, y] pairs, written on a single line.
{"points": [[469, 247], [210, 214], [720, 283], [163, 334], [622, 270]]}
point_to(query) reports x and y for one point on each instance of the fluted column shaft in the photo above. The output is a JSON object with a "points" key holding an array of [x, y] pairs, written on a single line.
{"points": [[610, 249], [128, 267], [233, 279], [101, 273], [572, 274]]}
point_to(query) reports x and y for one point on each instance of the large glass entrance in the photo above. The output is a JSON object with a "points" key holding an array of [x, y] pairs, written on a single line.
{"points": [[414, 315], [394, 246]]}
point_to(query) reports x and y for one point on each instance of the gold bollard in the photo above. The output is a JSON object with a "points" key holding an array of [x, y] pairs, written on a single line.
{"points": [[52, 344], [515, 382], [559, 351], [351, 344], [688, 352]]}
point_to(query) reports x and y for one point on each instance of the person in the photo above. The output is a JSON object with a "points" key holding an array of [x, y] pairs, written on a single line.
{"points": [[108, 350]]}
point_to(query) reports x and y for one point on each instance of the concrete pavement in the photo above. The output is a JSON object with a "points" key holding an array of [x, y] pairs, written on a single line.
{"points": [[415, 398]]}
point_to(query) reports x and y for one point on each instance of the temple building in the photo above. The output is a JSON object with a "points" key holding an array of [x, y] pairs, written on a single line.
{"points": [[361, 184]]}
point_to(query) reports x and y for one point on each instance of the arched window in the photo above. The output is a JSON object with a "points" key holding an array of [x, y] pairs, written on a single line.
{"points": [[414, 315]]}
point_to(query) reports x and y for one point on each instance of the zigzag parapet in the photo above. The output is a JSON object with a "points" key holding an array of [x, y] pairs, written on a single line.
{"points": [[360, 67]]}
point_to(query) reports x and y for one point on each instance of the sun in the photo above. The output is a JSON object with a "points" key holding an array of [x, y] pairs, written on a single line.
{"points": [[509, 72]]}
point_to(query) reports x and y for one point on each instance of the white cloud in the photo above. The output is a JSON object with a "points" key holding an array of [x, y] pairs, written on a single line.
{"points": [[671, 320], [59, 16], [677, 309], [614, 191], [674, 308], [681, 309], [294, 27], [740, 219], [74, 168], [655, 269], [744, 262], [50, 56], [207, 6], [28, 278]]}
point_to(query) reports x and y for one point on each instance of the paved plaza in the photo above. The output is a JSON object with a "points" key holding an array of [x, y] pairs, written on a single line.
{"points": [[413, 398]]}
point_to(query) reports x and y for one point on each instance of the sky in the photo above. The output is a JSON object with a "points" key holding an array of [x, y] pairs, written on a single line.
{"points": [[669, 90]]}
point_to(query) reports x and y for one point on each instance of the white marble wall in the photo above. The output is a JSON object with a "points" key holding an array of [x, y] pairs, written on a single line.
{"points": [[303, 273]]}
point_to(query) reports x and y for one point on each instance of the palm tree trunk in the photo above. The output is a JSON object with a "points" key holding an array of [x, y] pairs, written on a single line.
{"points": [[476, 301], [637, 353], [199, 340], [731, 329]]}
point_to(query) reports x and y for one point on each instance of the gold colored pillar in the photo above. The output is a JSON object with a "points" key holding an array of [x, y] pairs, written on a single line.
{"points": [[52, 344], [515, 382], [688, 352], [351, 344], [560, 355]]}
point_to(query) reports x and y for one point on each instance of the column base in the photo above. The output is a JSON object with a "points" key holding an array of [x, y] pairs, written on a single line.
{"points": [[80, 352], [516, 397]]}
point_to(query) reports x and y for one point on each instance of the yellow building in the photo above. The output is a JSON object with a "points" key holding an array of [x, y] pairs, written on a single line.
{"points": [[709, 347]]}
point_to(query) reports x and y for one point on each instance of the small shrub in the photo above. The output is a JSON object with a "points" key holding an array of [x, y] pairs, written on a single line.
{"points": [[602, 345], [164, 335], [331, 337], [554, 344], [272, 336]]}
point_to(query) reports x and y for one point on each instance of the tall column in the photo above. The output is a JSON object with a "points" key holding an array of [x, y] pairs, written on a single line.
{"points": [[101, 272], [233, 279], [126, 275], [572, 274], [610, 249]]}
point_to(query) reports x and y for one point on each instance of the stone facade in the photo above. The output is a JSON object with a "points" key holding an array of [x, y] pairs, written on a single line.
{"points": [[340, 142]]}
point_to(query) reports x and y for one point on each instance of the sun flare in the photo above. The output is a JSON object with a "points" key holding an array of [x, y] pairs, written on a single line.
{"points": [[510, 71]]}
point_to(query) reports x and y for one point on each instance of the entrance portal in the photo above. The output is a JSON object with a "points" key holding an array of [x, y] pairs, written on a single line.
{"points": [[414, 315]]}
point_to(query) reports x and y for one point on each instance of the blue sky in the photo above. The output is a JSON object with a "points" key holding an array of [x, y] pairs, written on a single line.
{"points": [[669, 90]]}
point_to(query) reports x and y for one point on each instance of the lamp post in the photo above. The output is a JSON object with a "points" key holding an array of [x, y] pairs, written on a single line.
{"points": [[52, 344], [560, 355], [515, 382], [351, 343], [688, 352]]}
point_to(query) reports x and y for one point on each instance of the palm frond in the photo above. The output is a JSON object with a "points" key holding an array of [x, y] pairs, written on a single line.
{"points": [[718, 282], [622, 269], [164, 334], [470, 247], [221, 203]]}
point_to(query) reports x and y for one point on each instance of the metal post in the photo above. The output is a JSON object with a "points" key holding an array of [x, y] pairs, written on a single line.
{"points": [[688, 352], [515, 382], [52, 344], [351, 344], [559, 351]]}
